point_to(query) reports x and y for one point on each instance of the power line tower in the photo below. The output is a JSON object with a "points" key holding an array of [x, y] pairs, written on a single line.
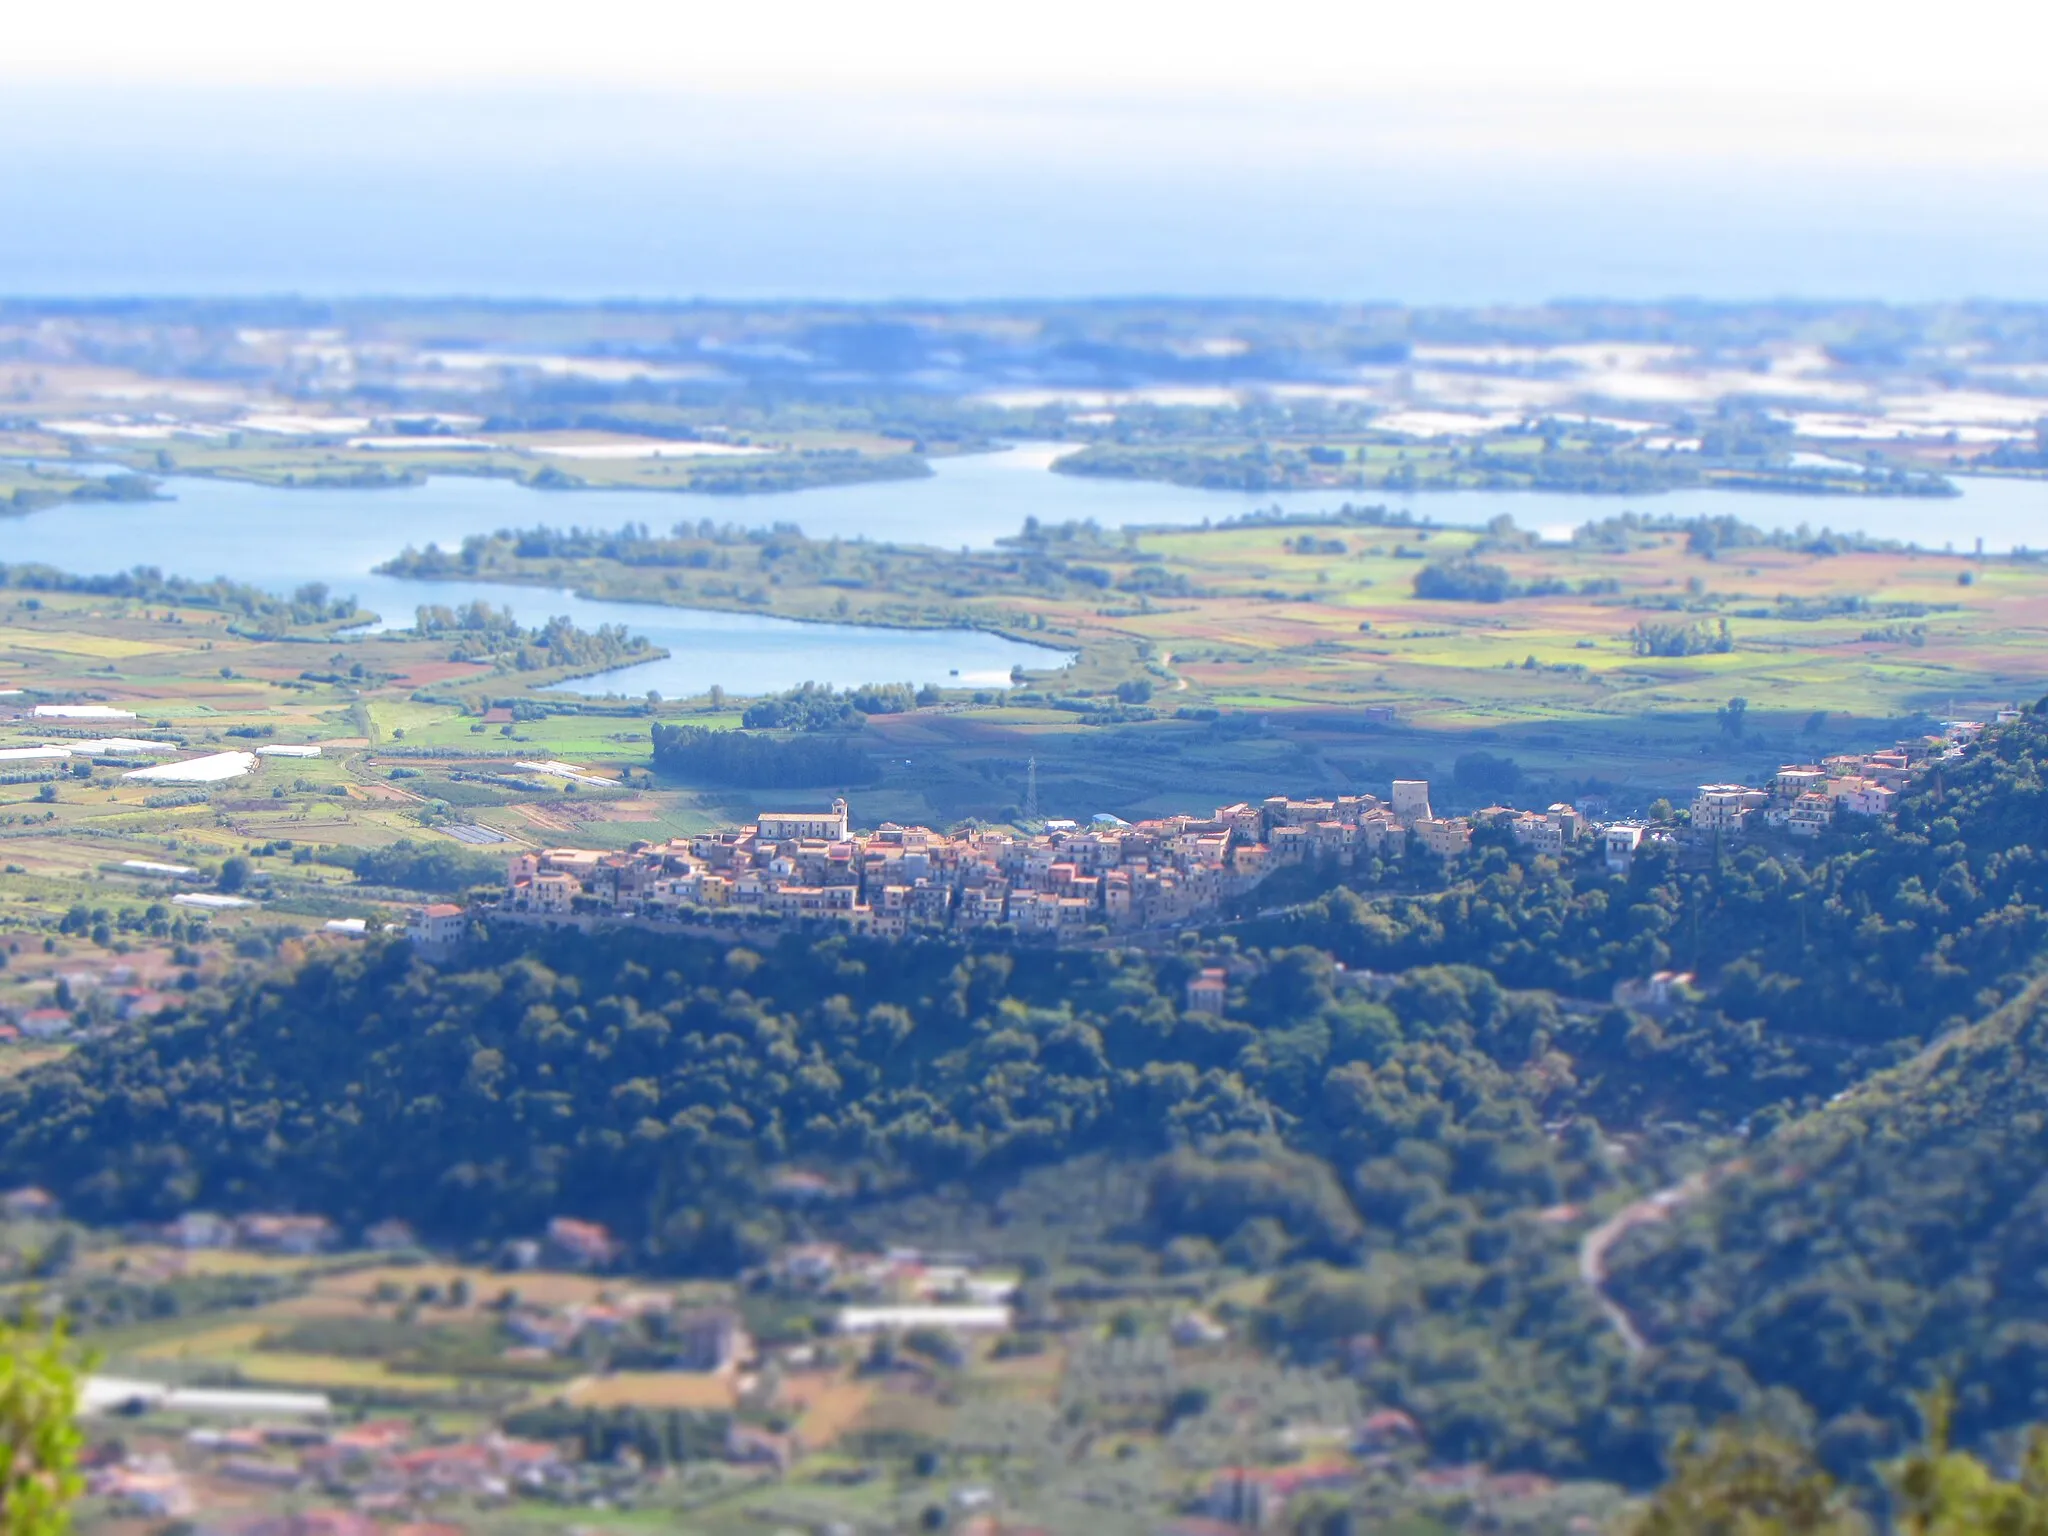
{"points": [[1030, 790]]}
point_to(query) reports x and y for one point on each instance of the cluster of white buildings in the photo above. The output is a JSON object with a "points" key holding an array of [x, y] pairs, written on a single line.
{"points": [[899, 1290], [213, 768], [1551, 831], [1064, 879], [1805, 799]]}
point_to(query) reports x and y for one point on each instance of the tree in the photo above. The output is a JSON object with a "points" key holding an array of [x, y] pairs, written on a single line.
{"points": [[1698, 639], [39, 1435], [1482, 773], [1742, 1482], [762, 762], [234, 873], [1731, 715], [1943, 1492], [1465, 581]]}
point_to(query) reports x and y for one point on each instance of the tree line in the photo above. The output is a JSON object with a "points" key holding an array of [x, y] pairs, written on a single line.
{"points": [[750, 760]]}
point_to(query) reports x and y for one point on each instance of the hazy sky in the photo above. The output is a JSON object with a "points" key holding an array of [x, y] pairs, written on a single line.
{"points": [[1427, 151], [1959, 49], [1800, 79]]}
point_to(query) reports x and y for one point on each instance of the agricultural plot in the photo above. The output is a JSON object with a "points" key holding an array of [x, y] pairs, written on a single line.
{"points": [[1309, 619], [1103, 1413], [1293, 615], [316, 748], [1221, 663]]}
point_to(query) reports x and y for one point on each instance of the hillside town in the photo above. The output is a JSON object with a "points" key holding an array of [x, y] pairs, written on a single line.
{"points": [[1067, 878], [1063, 879]]}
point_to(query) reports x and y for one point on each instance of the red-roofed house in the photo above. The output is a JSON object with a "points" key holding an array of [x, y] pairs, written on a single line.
{"points": [[1386, 1430], [1208, 991], [439, 926], [584, 1244], [28, 1203]]}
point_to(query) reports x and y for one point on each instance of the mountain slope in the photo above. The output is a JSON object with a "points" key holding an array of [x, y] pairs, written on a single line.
{"points": [[1898, 1237]]}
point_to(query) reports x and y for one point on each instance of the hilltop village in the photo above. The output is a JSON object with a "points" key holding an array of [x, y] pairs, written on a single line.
{"points": [[1065, 878], [1068, 878]]}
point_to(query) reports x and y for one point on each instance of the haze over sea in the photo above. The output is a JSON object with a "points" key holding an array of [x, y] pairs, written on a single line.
{"points": [[570, 195]]}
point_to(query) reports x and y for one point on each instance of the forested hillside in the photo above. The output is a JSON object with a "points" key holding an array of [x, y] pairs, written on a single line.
{"points": [[1388, 1158], [566, 1073], [1896, 1237], [1820, 964], [1411, 1160], [1895, 1240]]}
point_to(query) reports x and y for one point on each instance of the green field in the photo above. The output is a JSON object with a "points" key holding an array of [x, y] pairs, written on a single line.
{"points": [[1292, 615], [1350, 452], [790, 461], [1297, 656], [198, 682]]}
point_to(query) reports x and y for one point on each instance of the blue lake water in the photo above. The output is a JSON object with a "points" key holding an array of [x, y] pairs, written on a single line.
{"points": [[281, 539], [278, 539], [984, 497]]}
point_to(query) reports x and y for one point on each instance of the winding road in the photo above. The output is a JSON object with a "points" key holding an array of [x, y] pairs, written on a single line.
{"points": [[1598, 1243]]}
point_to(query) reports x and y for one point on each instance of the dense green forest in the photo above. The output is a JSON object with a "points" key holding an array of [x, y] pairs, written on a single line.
{"points": [[33, 498], [1819, 966], [812, 708], [1389, 1156], [410, 866], [758, 761], [1887, 1243], [1411, 1156], [729, 562]]}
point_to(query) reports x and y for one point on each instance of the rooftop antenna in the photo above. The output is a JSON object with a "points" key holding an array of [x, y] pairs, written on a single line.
{"points": [[1030, 790]]}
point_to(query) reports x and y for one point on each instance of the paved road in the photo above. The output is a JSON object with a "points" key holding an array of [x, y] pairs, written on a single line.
{"points": [[1598, 1243]]}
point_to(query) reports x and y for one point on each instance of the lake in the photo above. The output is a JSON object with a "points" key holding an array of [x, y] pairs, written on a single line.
{"points": [[281, 539], [278, 539]]}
